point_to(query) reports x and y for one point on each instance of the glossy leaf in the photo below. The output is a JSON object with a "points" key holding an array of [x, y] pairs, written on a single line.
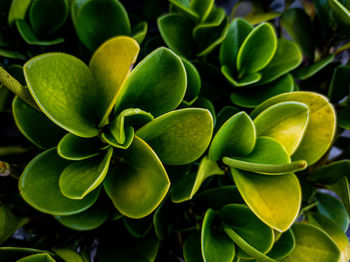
{"points": [[320, 130], [79, 110], [243, 81], [179, 137], [97, 21], [37, 258], [283, 246], [251, 57], [236, 137], [334, 232], [236, 34], [157, 85], [215, 244], [139, 182], [109, 138], [46, 17], [256, 95], [110, 65], [131, 116], [171, 26], [10, 254], [341, 11], [303, 73], [275, 200], [67, 254], [35, 126], [339, 86], [139, 32], [73, 147], [189, 184], [343, 118], [18, 11], [341, 188], [39, 187], [323, 248], [89, 219], [82, 177], [9, 223], [332, 208], [299, 26], [193, 81], [192, 248], [286, 58], [286, 122], [331, 173], [268, 157], [30, 37], [240, 220], [218, 197], [202, 8]]}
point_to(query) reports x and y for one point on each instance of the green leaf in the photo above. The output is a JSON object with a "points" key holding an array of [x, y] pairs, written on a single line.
{"points": [[39, 187], [334, 232], [303, 73], [252, 57], [216, 245], [139, 32], [82, 177], [331, 173], [73, 147], [176, 31], [202, 8], [299, 26], [332, 208], [243, 81], [97, 21], [306, 236], [14, 54], [109, 138], [339, 86], [189, 184], [30, 37], [218, 197], [341, 11], [236, 137], [138, 227], [79, 110], [320, 131], [255, 95], [268, 157], [46, 17], [183, 6], [287, 57], [131, 116], [341, 188], [89, 219], [35, 126], [10, 254], [67, 254], [192, 248], [224, 114], [179, 137], [157, 85], [283, 246], [37, 258], [286, 122], [143, 183], [193, 81], [208, 36], [241, 225], [110, 65], [238, 31], [8, 223], [343, 118], [275, 200], [18, 11]]}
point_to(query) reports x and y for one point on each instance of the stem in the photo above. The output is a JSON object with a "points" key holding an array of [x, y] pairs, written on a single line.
{"points": [[266, 168], [5, 169], [21, 91]]}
